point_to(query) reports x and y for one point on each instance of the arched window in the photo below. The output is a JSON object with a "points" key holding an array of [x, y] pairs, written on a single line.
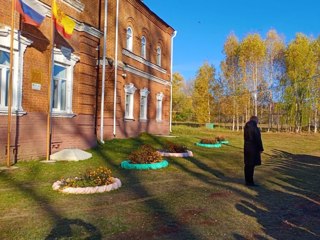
{"points": [[143, 47], [19, 47], [159, 107], [159, 56], [143, 103], [129, 39], [63, 83], [129, 90]]}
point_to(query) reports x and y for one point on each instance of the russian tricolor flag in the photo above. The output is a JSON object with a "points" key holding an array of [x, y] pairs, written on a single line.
{"points": [[32, 11]]}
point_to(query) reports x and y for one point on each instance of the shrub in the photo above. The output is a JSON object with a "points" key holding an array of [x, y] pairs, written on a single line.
{"points": [[174, 147], [92, 178], [145, 154], [220, 138], [208, 141]]}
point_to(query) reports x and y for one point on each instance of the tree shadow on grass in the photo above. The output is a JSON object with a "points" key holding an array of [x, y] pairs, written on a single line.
{"points": [[167, 225], [207, 174], [290, 207], [291, 203], [63, 226]]}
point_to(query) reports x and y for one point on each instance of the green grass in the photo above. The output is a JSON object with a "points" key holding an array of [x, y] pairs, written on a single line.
{"points": [[202, 197]]}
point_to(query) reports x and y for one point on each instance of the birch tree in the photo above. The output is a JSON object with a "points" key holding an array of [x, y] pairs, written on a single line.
{"points": [[274, 69], [301, 68], [202, 92], [315, 82], [252, 55], [181, 102], [231, 75]]}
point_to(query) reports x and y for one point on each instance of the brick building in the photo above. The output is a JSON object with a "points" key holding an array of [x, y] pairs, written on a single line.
{"points": [[133, 67]]}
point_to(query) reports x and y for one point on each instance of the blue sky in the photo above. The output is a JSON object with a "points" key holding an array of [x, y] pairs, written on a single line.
{"points": [[203, 25]]}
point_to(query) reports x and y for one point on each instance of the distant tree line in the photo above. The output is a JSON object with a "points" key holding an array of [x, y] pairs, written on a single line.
{"points": [[278, 82]]}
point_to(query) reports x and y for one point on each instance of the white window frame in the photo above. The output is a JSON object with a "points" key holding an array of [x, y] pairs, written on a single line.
{"points": [[143, 47], [59, 81], [159, 56], [4, 81], [20, 44], [67, 60], [159, 107], [129, 90], [144, 103], [129, 38]]}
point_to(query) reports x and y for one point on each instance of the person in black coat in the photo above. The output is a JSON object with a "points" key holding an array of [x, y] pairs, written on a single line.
{"points": [[252, 149]]}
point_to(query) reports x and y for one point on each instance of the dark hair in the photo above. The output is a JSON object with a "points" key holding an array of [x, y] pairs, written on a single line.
{"points": [[254, 118]]}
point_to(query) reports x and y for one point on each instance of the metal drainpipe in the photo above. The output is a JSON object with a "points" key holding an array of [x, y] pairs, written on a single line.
{"points": [[171, 76], [115, 72], [103, 69]]}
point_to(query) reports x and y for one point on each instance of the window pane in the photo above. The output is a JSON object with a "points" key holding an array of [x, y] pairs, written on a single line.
{"points": [[159, 109], [60, 88], [55, 93], [142, 107], [143, 47], [4, 58], [159, 56], [129, 39], [63, 95], [59, 72], [127, 107], [129, 32], [4, 86]]}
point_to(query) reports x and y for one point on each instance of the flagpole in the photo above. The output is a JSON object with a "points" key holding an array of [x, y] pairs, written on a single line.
{"points": [[51, 65], [10, 82]]}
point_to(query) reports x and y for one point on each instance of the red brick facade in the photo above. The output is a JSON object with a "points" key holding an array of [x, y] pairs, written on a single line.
{"points": [[82, 128]]}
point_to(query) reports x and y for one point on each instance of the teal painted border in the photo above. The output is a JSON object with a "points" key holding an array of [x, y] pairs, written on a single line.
{"points": [[144, 166], [216, 145], [224, 142]]}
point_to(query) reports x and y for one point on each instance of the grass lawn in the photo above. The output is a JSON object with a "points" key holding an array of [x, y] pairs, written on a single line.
{"points": [[202, 197]]}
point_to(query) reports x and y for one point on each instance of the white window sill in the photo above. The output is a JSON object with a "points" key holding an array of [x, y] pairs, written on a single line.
{"points": [[62, 115], [159, 121], [129, 119], [14, 112]]}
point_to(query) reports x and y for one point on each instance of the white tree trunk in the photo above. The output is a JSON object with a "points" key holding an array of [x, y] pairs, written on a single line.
{"points": [[316, 121]]}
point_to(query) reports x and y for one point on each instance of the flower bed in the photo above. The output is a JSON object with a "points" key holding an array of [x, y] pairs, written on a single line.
{"points": [[171, 149], [93, 181], [208, 145], [174, 154], [145, 154], [144, 158], [87, 190], [127, 164], [222, 140]]}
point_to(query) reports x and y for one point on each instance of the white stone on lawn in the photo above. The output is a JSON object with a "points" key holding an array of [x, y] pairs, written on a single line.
{"points": [[72, 154]]}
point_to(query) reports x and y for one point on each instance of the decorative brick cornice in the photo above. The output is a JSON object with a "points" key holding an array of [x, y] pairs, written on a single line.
{"points": [[145, 75], [76, 4], [140, 6], [143, 61], [80, 26]]}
